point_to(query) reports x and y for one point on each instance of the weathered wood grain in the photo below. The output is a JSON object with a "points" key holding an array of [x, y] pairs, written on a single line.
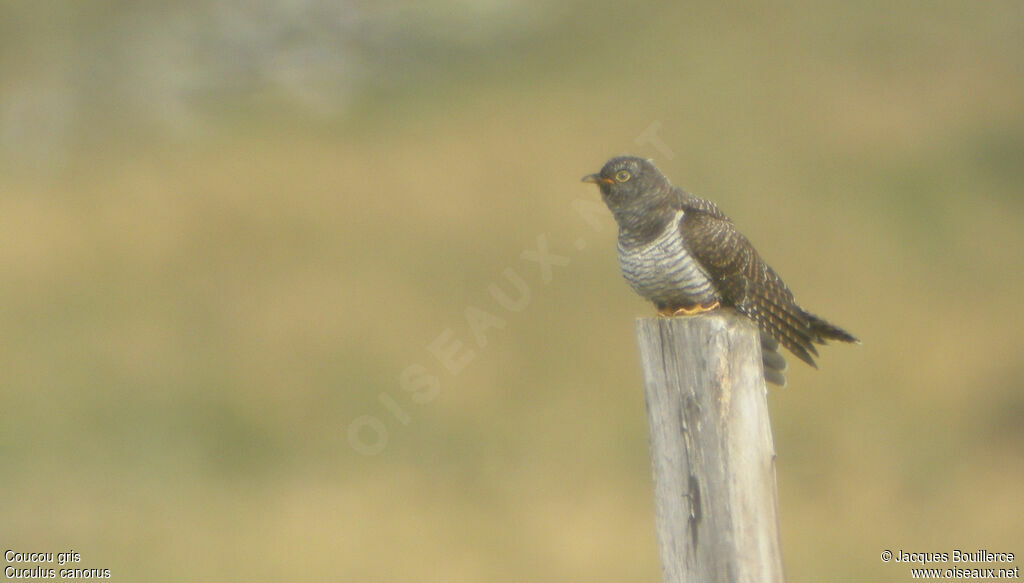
{"points": [[716, 506]]}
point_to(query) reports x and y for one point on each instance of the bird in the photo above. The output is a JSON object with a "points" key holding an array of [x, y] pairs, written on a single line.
{"points": [[684, 254]]}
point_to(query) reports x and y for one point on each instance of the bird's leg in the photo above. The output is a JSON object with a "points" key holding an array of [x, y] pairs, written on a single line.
{"points": [[695, 309], [670, 311]]}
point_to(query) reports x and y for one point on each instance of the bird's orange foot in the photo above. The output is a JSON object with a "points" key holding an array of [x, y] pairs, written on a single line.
{"points": [[689, 310]]}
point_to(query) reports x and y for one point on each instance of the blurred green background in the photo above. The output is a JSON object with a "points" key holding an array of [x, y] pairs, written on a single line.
{"points": [[234, 236]]}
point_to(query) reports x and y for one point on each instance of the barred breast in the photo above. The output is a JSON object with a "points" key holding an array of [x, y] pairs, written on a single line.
{"points": [[663, 271]]}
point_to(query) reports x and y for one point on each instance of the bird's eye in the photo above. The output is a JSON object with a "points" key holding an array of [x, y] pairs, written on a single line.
{"points": [[622, 175]]}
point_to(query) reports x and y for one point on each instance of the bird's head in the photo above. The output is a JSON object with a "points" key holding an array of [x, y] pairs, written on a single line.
{"points": [[631, 186]]}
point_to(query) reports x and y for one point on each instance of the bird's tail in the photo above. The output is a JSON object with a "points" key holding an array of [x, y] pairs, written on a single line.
{"points": [[774, 363], [822, 331]]}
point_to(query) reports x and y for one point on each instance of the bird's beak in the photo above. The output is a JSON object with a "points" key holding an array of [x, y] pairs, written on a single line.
{"points": [[596, 179]]}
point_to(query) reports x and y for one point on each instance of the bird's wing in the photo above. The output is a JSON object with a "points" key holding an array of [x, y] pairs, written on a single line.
{"points": [[744, 280]]}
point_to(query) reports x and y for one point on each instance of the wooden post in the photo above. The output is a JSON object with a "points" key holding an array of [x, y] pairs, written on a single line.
{"points": [[716, 505]]}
